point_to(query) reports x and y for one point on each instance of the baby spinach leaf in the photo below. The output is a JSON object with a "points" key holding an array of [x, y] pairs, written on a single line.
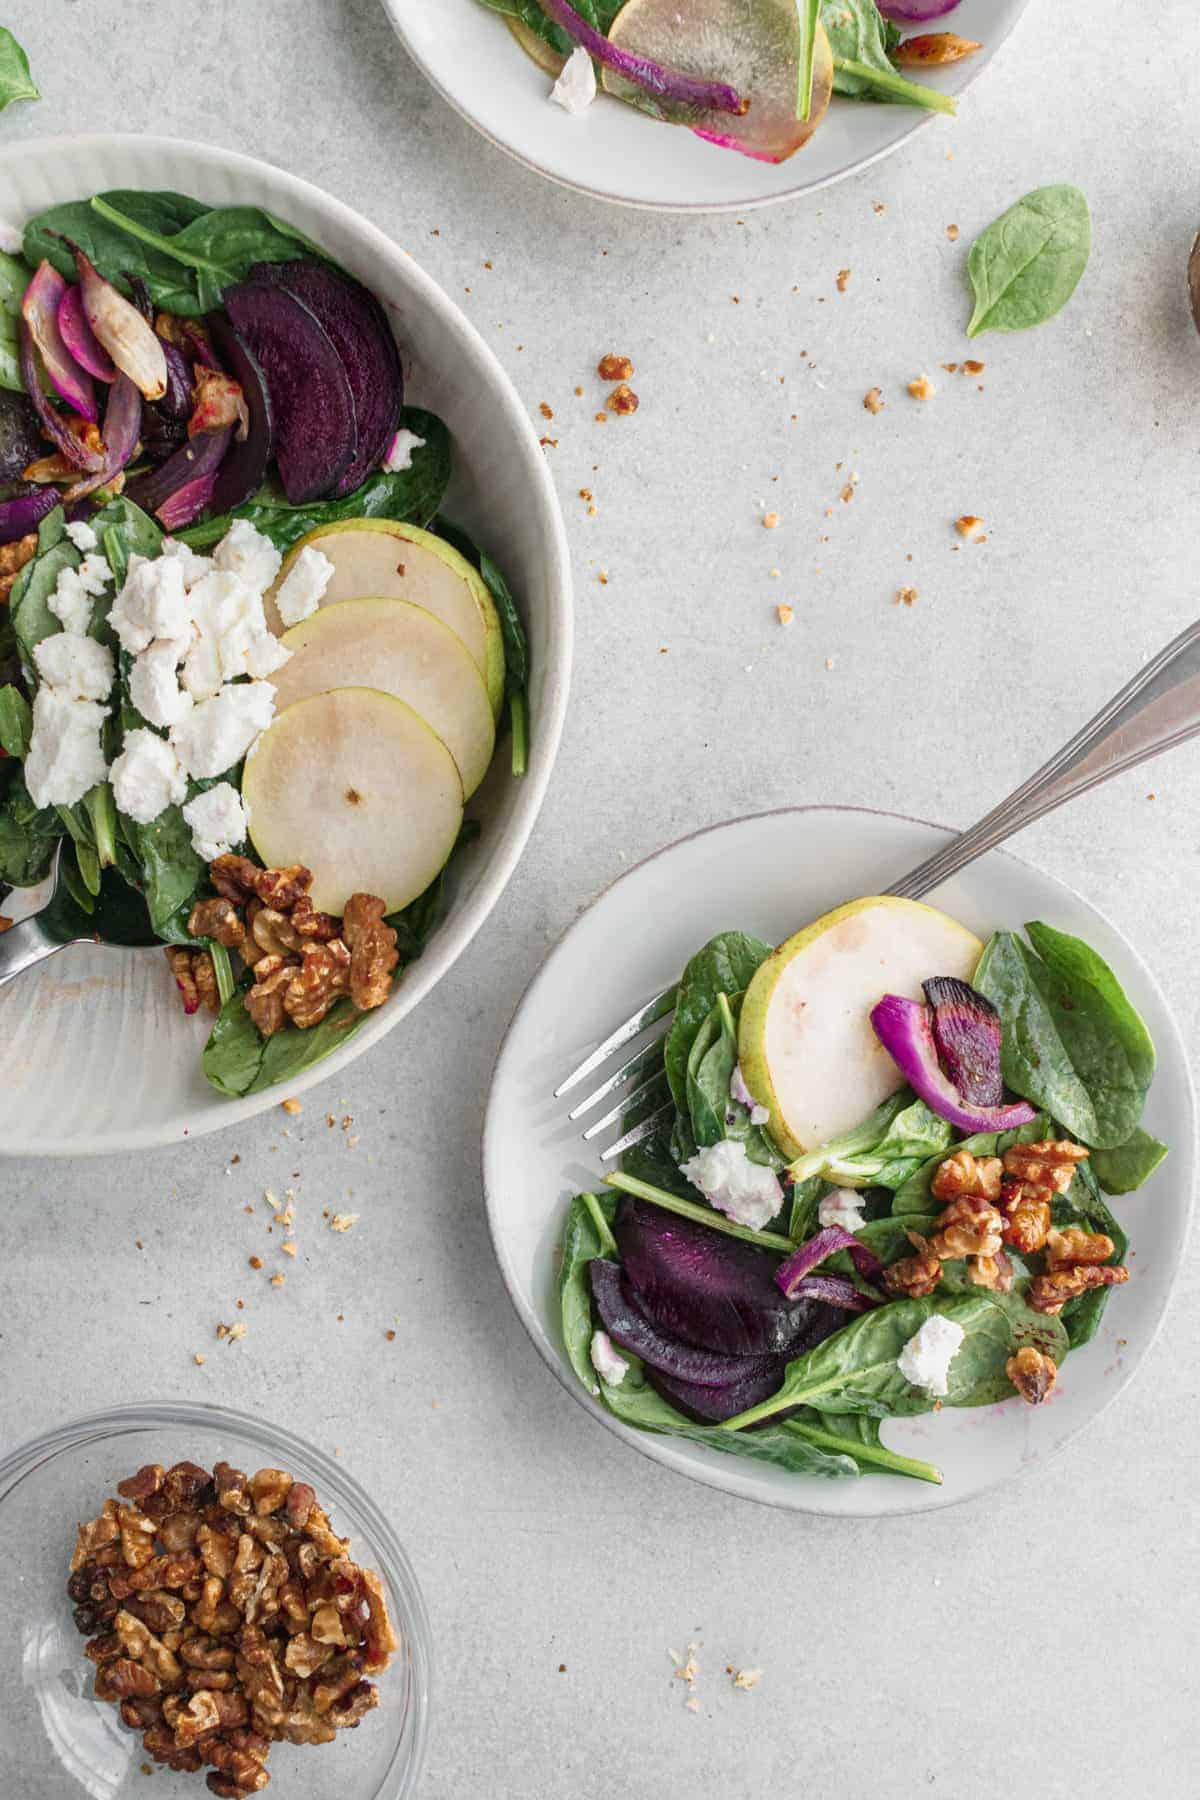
{"points": [[1126, 1166], [1033, 1058], [27, 836], [915, 1196], [1084, 1204], [859, 1438], [411, 496], [16, 83], [724, 966], [580, 1244], [914, 1133], [233, 1054], [714, 1113], [597, 13], [652, 1161], [861, 40], [806, 1198], [16, 722], [32, 619], [171, 873], [1027, 264], [15, 276], [110, 247], [290, 1051]]}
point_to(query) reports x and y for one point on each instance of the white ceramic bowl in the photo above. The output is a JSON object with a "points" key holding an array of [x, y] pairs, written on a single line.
{"points": [[615, 153], [769, 874], [99, 1056]]}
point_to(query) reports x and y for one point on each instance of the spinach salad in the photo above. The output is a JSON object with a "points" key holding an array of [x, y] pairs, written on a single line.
{"points": [[872, 1182], [249, 677], [755, 76]]}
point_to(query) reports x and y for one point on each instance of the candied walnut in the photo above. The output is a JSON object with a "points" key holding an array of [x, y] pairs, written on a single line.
{"points": [[123, 1677], [1075, 1248], [93, 1536], [207, 1654], [141, 1711], [178, 1530], [932, 48], [1050, 1293], [623, 400], [1027, 1215], [1032, 1373], [614, 368], [217, 1549], [159, 1742], [265, 1000], [233, 1489], [327, 1627], [195, 978], [963, 1173], [381, 1638], [914, 1276], [148, 1480], [161, 1612], [373, 953], [873, 400], [967, 1227], [281, 888], [269, 1489], [14, 555], [273, 934], [993, 1272], [304, 1656], [186, 1482], [234, 877], [307, 922], [139, 1641], [137, 1537], [323, 977], [354, 1706], [300, 1502], [1050, 1163], [217, 919]]}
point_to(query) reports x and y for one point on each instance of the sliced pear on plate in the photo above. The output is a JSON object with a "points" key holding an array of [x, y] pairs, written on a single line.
{"points": [[403, 650], [805, 1042], [381, 559], [356, 786]]}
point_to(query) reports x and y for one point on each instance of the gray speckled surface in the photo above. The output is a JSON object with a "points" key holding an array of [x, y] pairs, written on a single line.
{"points": [[1044, 1638]]}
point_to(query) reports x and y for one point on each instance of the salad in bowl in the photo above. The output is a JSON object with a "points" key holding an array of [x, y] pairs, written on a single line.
{"points": [[867, 1178], [249, 678]]}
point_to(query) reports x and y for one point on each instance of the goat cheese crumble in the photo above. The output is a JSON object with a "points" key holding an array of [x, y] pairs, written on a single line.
{"points": [[399, 453], [741, 1093], [743, 1190], [152, 604], [81, 667], [246, 552], [70, 602], [219, 821], [925, 1359], [575, 88], [607, 1361], [80, 532], [154, 684], [65, 757], [842, 1206], [219, 731], [302, 588], [147, 777]]}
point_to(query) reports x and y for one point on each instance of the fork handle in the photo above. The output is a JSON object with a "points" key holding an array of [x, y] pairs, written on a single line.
{"points": [[1157, 709], [24, 945]]}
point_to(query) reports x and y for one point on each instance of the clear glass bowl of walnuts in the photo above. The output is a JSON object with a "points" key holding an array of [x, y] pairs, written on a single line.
{"points": [[243, 1591]]}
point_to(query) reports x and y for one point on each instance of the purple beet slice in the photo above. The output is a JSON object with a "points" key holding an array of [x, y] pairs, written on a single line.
{"points": [[316, 434], [245, 466], [628, 1326], [359, 329], [967, 1031], [712, 1290], [711, 1405]]}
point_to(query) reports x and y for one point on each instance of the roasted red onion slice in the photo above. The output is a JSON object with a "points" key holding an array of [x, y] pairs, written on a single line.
{"points": [[915, 12], [81, 340], [39, 309], [121, 329], [905, 1029], [122, 423], [671, 84], [53, 423], [20, 516], [792, 1273]]}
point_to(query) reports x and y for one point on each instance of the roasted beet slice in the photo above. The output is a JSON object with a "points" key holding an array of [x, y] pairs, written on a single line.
{"points": [[183, 486], [966, 1031], [628, 1326], [316, 436], [712, 1290], [245, 465], [710, 1405], [20, 438], [359, 328]]}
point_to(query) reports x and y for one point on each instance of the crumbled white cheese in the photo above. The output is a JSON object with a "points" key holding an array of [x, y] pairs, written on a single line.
{"points": [[218, 732], [11, 238], [244, 551], [228, 615], [82, 535], [65, 755], [80, 666], [607, 1361], [70, 602], [152, 604], [744, 1190], [842, 1206], [219, 821], [95, 574], [575, 88], [741, 1093], [399, 452], [154, 685], [300, 593], [147, 777], [195, 566], [925, 1359]]}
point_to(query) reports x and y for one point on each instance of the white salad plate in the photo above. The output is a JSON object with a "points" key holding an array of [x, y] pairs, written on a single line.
{"points": [[614, 152], [99, 1056], [770, 874]]}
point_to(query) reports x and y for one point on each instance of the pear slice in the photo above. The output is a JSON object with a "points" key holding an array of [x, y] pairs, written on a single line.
{"points": [[805, 1043], [403, 650], [356, 786], [382, 559]]}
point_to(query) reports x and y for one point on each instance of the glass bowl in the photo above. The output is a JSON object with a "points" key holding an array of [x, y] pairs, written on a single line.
{"points": [[57, 1741]]}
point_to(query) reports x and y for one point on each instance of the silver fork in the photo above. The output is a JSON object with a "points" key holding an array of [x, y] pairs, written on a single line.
{"points": [[1157, 709], [119, 921]]}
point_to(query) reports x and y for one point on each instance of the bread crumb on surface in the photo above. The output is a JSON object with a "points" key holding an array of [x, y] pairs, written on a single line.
{"points": [[922, 388], [288, 1247], [952, 233], [843, 280], [230, 1334], [969, 526], [292, 1106], [785, 613], [770, 521], [686, 1668], [905, 596], [745, 1679], [878, 207], [199, 1359], [873, 400], [256, 1262], [277, 1281], [344, 1221]]}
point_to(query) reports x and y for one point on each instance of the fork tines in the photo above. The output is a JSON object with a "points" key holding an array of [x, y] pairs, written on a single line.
{"points": [[637, 1086]]}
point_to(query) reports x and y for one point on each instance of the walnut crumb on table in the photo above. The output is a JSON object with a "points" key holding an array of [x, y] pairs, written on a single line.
{"points": [[770, 521], [785, 613], [969, 526], [623, 400], [922, 388], [873, 400], [614, 368], [746, 1679], [843, 280], [292, 1106], [952, 233], [906, 596], [547, 412], [344, 1221]]}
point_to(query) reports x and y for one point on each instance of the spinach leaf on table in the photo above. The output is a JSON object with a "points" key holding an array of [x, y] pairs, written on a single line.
{"points": [[16, 82], [1126, 1166], [410, 496], [724, 966], [1027, 264]]}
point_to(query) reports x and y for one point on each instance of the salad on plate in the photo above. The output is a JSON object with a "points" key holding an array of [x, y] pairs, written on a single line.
{"points": [[865, 1179], [755, 76], [249, 678]]}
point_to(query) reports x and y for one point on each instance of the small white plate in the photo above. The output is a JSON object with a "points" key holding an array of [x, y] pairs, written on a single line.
{"points": [[616, 153], [769, 874], [99, 1056]]}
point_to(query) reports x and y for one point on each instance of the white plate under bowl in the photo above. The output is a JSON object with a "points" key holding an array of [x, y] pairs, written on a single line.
{"points": [[616, 153], [770, 874], [99, 1056]]}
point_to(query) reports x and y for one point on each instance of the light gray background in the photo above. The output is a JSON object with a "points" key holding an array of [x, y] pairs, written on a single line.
{"points": [[1044, 1638]]}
